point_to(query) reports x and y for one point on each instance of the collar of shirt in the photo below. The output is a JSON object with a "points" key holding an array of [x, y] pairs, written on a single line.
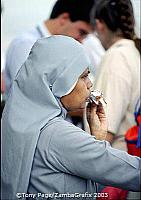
{"points": [[63, 110], [123, 42]]}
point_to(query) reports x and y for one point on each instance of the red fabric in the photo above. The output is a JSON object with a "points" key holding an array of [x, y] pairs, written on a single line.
{"points": [[132, 135], [139, 119], [133, 150], [113, 194]]}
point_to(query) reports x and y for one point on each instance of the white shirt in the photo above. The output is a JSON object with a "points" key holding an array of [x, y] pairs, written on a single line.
{"points": [[95, 50], [119, 80], [19, 50]]}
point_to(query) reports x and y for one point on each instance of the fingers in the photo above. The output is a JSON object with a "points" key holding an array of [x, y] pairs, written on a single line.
{"points": [[91, 112], [94, 110], [100, 108]]}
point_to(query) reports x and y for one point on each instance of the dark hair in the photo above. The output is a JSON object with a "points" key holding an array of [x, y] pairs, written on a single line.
{"points": [[77, 9], [117, 15], [138, 44]]}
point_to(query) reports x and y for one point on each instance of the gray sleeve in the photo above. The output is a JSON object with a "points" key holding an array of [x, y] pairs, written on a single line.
{"points": [[73, 151]]}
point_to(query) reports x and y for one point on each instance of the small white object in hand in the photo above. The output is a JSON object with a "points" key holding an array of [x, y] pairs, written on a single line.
{"points": [[96, 96]]}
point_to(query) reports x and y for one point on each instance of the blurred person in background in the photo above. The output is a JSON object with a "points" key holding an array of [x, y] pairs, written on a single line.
{"points": [[119, 71], [68, 17], [119, 74], [95, 50]]}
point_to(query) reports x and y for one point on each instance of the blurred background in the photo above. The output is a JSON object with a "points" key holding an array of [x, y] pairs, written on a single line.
{"points": [[19, 16]]}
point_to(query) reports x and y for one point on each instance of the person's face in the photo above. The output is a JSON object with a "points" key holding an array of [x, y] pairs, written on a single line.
{"points": [[78, 30], [77, 98]]}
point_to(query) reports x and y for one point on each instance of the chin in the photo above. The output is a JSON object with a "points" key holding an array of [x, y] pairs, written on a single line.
{"points": [[78, 107]]}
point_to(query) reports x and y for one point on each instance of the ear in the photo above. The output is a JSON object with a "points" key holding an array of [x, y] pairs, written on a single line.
{"points": [[63, 18], [100, 26]]}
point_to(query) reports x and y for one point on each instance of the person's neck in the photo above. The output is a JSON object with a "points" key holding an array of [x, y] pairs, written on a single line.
{"points": [[51, 25], [112, 38]]}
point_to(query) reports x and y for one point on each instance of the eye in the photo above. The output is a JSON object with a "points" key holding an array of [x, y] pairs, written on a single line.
{"points": [[82, 32], [85, 76]]}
